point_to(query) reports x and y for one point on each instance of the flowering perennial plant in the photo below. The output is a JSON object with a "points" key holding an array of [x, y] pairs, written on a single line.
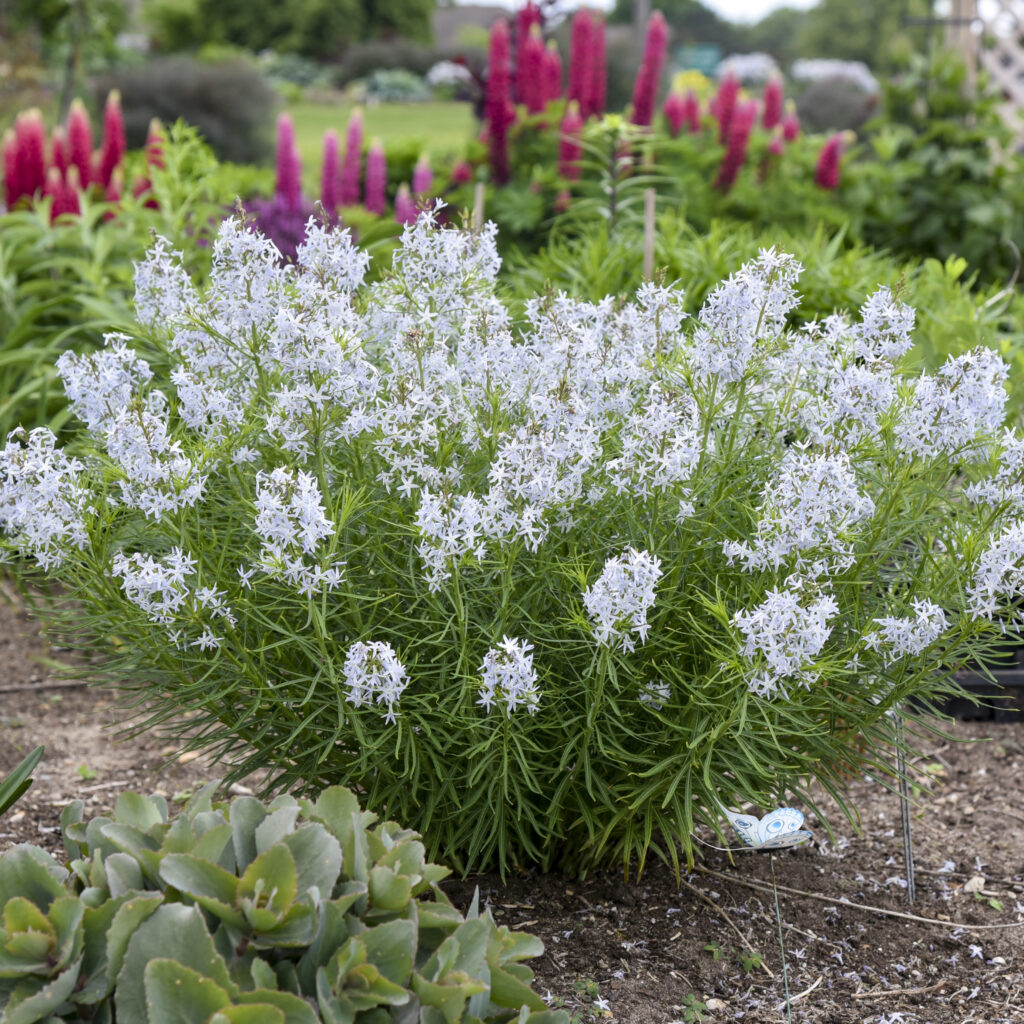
{"points": [[548, 590]]}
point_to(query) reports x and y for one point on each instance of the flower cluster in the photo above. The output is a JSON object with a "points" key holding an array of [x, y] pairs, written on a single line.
{"points": [[45, 506], [161, 588], [105, 390], [66, 168], [810, 505], [655, 695], [620, 599], [999, 574], [783, 635], [373, 673], [964, 401], [508, 678], [909, 635], [1006, 487], [743, 311], [291, 522]]}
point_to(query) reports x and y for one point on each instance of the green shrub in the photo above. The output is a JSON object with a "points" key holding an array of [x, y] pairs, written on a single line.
{"points": [[834, 104], [364, 58], [295, 69], [396, 85], [939, 180], [551, 591], [228, 102], [293, 913]]}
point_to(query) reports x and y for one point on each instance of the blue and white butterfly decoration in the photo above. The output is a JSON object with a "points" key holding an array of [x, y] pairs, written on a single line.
{"points": [[775, 831]]}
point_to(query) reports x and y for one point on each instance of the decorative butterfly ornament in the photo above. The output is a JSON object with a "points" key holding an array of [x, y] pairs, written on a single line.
{"points": [[775, 831]]}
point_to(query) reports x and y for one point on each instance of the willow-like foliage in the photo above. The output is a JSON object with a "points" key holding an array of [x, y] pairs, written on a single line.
{"points": [[551, 591]]}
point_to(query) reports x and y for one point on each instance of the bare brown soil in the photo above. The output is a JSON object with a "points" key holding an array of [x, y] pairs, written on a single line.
{"points": [[654, 952]]}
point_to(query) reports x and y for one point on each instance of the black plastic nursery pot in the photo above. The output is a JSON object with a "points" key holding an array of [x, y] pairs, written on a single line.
{"points": [[1000, 690]]}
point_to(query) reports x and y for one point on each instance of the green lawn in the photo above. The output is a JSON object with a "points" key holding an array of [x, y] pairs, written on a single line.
{"points": [[441, 127]]}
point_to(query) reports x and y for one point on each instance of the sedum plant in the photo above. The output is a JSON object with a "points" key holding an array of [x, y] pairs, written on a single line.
{"points": [[551, 591], [296, 912]]}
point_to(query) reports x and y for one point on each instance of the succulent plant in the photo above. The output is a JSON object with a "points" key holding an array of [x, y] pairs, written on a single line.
{"points": [[296, 912]]}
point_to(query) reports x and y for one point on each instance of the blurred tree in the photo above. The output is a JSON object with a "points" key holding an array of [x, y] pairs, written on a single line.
{"points": [[690, 21], [320, 29], [872, 31], [252, 24], [174, 25], [406, 19], [777, 34], [323, 28], [78, 36]]}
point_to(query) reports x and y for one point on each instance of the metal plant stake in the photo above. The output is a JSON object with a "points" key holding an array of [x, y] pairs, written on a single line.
{"points": [[908, 840]]}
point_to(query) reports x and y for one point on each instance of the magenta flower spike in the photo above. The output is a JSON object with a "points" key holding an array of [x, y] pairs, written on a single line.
{"points": [[155, 141], [500, 111], [552, 72], [528, 25], [405, 206], [376, 179], [530, 85], [422, 176], [740, 127], [80, 142], [645, 89], [691, 112], [71, 193], [115, 190], [674, 110], [528, 16], [352, 167], [580, 53], [826, 173], [289, 167], [569, 148], [790, 126], [31, 152], [53, 188], [771, 115], [723, 106], [114, 144], [329, 197]]}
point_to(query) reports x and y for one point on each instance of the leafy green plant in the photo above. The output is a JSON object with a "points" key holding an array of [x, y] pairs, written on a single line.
{"points": [[14, 786], [551, 592], [229, 102], [937, 180], [750, 962], [297, 912], [693, 1009]]}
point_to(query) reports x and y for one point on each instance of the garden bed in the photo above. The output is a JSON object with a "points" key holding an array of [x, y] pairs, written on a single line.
{"points": [[648, 949]]}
